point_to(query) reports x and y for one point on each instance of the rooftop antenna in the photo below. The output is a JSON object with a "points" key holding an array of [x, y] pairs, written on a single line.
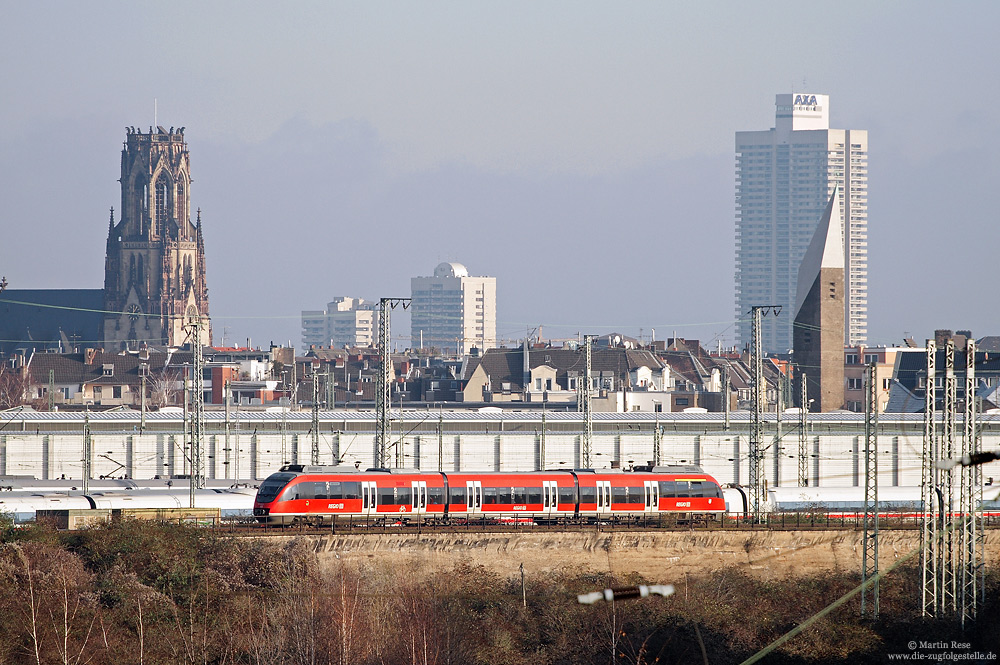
{"points": [[154, 111]]}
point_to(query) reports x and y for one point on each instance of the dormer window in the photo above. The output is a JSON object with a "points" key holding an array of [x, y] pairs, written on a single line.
{"points": [[108, 370]]}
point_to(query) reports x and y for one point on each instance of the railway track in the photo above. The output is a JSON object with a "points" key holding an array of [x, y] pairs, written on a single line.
{"points": [[772, 522]]}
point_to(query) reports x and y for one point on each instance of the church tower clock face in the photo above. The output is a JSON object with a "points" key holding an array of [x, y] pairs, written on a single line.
{"points": [[155, 265]]}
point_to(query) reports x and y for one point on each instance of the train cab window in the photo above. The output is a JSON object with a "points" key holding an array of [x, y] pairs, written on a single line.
{"points": [[588, 494], [457, 495], [350, 490], [534, 494], [567, 495], [270, 487]]}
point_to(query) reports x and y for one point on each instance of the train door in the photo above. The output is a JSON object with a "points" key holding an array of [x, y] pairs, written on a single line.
{"points": [[369, 497], [419, 488], [550, 497], [603, 497], [652, 492], [474, 496]]}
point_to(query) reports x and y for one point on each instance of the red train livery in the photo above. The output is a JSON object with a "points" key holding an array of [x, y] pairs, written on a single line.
{"points": [[321, 494]]}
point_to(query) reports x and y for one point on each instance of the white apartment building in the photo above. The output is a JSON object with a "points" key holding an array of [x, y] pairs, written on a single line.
{"points": [[784, 179], [345, 322], [452, 311]]}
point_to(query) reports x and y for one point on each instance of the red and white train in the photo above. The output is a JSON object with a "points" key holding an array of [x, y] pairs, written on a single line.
{"points": [[321, 494]]}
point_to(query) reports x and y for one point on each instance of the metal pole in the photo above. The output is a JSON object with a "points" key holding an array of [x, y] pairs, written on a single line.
{"points": [[228, 450], [725, 395], [759, 397]]}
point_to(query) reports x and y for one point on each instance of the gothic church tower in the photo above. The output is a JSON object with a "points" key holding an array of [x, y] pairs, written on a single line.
{"points": [[154, 273]]}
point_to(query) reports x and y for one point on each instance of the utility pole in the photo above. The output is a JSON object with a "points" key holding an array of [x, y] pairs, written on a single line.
{"points": [[803, 439], [383, 433], [588, 417], [52, 389], [314, 458], [869, 559], [758, 398], [929, 544]]}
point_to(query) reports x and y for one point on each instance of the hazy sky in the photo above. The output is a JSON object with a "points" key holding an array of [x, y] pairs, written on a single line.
{"points": [[581, 153]]}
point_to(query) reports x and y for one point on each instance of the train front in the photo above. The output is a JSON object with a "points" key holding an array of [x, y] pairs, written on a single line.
{"points": [[268, 496]]}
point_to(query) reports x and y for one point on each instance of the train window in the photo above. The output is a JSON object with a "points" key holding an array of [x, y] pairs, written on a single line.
{"points": [[350, 490], [386, 497], [320, 491], [619, 495], [534, 495], [489, 496], [635, 495], [520, 495], [435, 495], [403, 496], [334, 491], [588, 494], [457, 495], [567, 495], [270, 487], [504, 495], [668, 488], [697, 489]]}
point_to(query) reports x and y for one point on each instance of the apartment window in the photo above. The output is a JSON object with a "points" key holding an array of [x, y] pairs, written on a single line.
{"points": [[538, 384], [886, 384], [116, 392], [851, 359], [870, 358], [855, 383]]}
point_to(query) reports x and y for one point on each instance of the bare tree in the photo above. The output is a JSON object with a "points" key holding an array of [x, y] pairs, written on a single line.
{"points": [[13, 387], [163, 388]]}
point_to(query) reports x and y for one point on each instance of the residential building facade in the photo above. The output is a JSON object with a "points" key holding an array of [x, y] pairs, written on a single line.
{"points": [[346, 322], [784, 178], [453, 311]]}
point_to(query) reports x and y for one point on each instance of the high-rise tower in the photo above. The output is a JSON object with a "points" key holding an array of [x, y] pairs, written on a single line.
{"points": [[453, 311], [154, 272], [785, 177]]}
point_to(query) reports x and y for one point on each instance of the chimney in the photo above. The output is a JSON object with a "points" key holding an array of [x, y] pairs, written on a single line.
{"points": [[89, 355]]}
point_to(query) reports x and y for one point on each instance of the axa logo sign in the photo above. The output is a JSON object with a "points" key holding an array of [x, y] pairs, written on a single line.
{"points": [[805, 100]]}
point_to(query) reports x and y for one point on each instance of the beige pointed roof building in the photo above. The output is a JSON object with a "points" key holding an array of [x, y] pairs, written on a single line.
{"points": [[818, 328]]}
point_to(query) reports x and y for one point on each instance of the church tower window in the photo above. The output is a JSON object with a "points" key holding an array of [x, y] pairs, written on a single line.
{"points": [[160, 204]]}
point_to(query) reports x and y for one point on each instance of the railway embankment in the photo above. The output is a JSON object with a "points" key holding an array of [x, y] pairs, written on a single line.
{"points": [[653, 555]]}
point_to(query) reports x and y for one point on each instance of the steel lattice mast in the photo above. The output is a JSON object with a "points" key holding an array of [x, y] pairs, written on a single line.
{"points": [[314, 456], [758, 398], [588, 418], [949, 583], [929, 545], [803, 439], [971, 498], [869, 565], [383, 432]]}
